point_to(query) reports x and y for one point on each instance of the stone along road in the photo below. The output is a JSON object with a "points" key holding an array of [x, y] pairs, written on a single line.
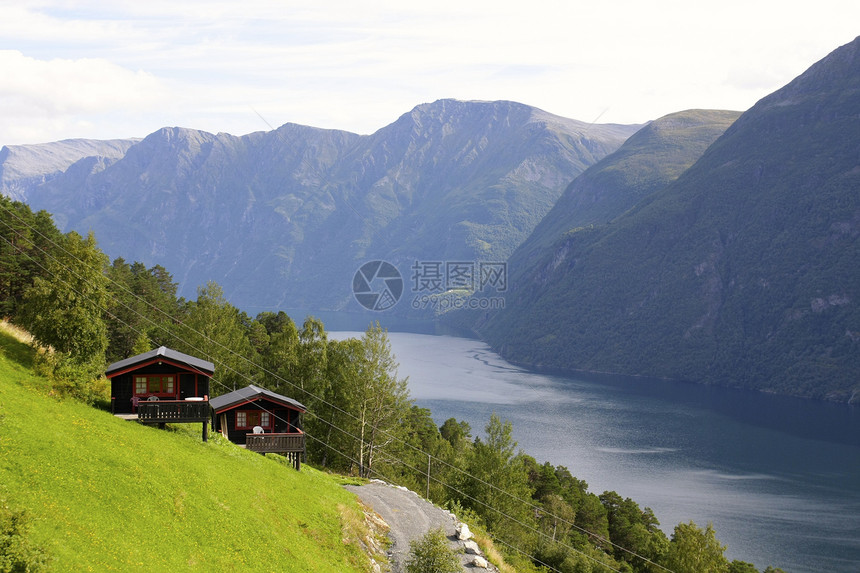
{"points": [[409, 517]]}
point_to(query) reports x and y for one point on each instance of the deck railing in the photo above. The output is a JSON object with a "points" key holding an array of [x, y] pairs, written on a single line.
{"points": [[175, 411], [275, 443], [291, 445]]}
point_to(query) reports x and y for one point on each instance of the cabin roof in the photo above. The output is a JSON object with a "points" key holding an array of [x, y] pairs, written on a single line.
{"points": [[162, 352], [248, 394]]}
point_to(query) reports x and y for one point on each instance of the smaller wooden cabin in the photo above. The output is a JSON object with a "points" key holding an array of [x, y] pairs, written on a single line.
{"points": [[262, 421], [160, 386]]}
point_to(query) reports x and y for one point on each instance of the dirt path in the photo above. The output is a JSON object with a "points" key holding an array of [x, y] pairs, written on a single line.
{"points": [[409, 517]]}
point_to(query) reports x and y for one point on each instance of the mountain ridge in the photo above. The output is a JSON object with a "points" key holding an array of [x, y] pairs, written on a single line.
{"points": [[23, 167], [449, 180], [742, 271], [653, 156]]}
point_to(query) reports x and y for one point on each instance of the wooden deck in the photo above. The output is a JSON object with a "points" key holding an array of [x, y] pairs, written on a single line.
{"points": [[291, 445], [172, 412], [175, 411]]}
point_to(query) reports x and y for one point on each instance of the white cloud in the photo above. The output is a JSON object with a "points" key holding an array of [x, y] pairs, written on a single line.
{"points": [[43, 95], [74, 86], [358, 66]]}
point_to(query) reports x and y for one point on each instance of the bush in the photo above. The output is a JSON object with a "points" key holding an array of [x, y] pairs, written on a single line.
{"points": [[69, 377], [17, 553], [431, 554]]}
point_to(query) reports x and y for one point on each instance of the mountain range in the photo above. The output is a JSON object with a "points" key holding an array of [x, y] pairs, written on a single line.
{"points": [[26, 167], [712, 246], [742, 270], [285, 218]]}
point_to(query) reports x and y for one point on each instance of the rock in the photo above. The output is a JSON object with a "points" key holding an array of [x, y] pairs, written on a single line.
{"points": [[479, 561], [463, 532], [472, 547]]}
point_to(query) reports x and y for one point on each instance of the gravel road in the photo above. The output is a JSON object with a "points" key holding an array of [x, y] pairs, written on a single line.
{"points": [[409, 517]]}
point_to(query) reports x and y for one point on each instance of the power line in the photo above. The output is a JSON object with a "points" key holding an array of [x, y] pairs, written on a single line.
{"points": [[324, 421], [333, 406], [320, 399], [216, 381]]}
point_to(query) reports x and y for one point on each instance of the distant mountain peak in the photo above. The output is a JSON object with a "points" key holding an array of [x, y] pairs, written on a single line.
{"points": [[23, 167], [838, 71], [740, 271], [178, 135], [282, 216]]}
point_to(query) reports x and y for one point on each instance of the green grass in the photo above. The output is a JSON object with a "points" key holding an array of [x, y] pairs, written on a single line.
{"points": [[111, 495]]}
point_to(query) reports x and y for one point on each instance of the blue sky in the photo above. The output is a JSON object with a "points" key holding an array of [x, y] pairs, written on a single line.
{"points": [[121, 69]]}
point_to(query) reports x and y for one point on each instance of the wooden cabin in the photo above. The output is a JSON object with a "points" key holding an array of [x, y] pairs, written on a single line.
{"points": [[262, 421], [160, 386]]}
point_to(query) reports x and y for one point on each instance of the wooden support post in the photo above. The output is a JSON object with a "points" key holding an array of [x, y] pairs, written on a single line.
{"points": [[206, 431]]}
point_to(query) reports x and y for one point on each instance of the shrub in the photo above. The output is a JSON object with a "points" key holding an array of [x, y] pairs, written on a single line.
{"points": [[83, 381], [17, 553], [431, 554]]}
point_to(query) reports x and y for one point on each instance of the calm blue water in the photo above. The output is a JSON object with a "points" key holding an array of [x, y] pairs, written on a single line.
{"points": [[778, 477]]}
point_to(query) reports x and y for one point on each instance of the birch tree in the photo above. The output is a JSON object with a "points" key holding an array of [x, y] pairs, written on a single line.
{"points": [[214, 330], [695, 550], [63, 311], [382, 399]]}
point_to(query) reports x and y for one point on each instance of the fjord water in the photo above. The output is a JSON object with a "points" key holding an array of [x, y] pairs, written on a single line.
{"points": [[778, 477]]}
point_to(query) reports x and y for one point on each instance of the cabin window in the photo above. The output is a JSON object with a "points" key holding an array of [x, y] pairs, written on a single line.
{"points": [[249, 418], [154, 384]]}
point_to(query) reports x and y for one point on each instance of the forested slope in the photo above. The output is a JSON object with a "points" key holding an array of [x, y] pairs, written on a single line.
{"points": [[743, 271], [360, 422]]}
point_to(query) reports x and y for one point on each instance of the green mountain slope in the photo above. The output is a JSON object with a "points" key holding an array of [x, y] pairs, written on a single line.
{"points": [[650, 159], [744, 271], [284, 218], [105, 494]]}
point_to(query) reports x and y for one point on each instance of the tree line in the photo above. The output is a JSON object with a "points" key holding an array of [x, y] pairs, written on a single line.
{"points": [[85, 311]]}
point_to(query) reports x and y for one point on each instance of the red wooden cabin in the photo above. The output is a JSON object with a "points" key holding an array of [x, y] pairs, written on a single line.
{"points": [[262, 421], [162, 385]]}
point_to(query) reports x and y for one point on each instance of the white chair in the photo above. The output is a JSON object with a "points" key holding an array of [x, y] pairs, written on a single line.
{"points": [[258, 429]]}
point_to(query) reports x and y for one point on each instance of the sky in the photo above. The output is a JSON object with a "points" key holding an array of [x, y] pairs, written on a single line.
{"points": [[120, 69]]}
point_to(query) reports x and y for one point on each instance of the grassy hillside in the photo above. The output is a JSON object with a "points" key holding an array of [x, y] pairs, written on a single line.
{"points": [[110, 495]]}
